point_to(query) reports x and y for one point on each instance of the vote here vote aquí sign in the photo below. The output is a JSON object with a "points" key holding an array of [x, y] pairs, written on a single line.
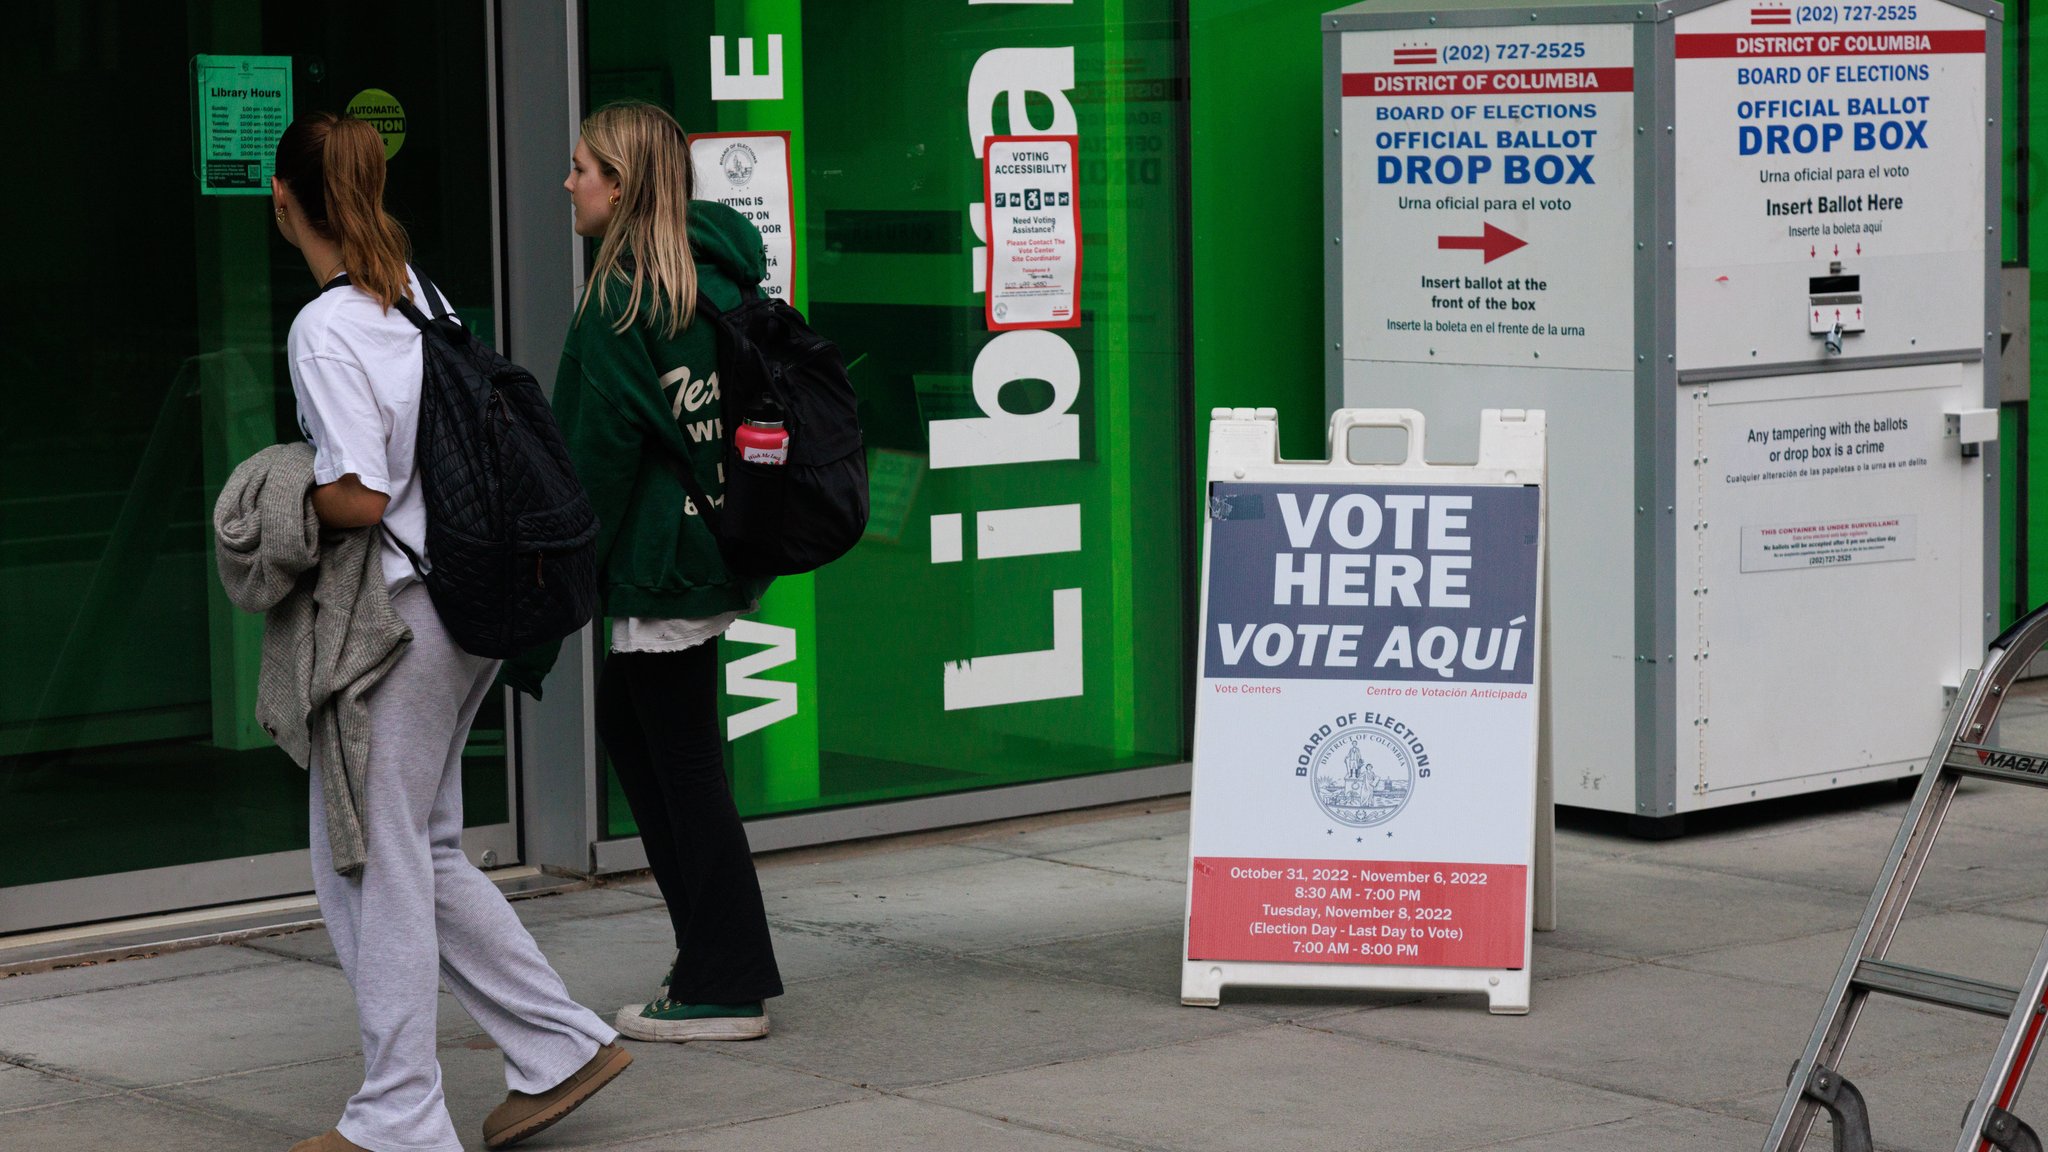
{"points": [[1366, 725], [1488, 192]]}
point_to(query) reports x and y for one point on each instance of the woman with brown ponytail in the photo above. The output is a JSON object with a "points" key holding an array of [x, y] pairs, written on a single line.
{"points": [[417, 912]]}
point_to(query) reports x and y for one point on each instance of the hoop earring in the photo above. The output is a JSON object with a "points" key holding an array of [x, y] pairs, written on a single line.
{"points": [[614, 201]]}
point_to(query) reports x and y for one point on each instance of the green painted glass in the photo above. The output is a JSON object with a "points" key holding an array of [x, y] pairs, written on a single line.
{"points": [[155, 362], [2026, 55], [885, 172], [2018, 582], [1256, 151]]}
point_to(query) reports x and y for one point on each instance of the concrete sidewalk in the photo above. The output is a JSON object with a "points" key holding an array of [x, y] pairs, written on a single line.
{"points": [[1015, 987]]}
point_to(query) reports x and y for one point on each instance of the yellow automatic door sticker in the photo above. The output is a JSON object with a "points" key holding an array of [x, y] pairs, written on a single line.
{"points": [[384, 113]]}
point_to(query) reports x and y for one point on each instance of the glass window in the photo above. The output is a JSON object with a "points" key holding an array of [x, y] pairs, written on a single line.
{"points": [[1034, 654], [144, 360]]}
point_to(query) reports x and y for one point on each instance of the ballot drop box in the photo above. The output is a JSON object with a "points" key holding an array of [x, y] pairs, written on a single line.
{"points": [[1744, 254]]}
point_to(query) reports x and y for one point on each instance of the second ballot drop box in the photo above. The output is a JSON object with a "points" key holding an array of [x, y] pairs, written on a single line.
{"points": [[1745, 255]]}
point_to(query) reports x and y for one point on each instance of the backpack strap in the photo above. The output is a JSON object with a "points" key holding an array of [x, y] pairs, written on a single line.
{"points": [[434, 301], [409, 310], [420, 567], [749, 290], [710, 514]]}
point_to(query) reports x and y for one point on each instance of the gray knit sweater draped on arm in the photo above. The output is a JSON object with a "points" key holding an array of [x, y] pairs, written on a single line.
{"points": [[329, 631]]}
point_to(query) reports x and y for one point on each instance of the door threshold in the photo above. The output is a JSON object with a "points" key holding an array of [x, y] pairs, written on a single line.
{"points": [[145, 936]]}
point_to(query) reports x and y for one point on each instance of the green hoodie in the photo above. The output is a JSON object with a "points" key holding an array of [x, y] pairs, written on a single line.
{"points": [[629, 404]]}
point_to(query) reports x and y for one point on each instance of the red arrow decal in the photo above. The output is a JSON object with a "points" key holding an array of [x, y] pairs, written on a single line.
{"points": [[1492, 242]]}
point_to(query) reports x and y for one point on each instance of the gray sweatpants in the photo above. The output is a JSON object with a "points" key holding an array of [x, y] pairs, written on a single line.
{"points": [[420, 913]]}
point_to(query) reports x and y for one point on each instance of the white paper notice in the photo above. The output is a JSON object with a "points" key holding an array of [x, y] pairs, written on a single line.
{"points": [[1818, 140], [1033, 201], [749, 173], [242, 104], [1489, 196], [1827, 543]]}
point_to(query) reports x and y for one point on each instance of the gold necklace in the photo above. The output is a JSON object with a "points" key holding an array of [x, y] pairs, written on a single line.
{"points": [[338, 266]]}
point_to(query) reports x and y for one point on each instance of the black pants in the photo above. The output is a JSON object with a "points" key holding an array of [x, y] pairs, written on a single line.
{"points": [[657, 713]]}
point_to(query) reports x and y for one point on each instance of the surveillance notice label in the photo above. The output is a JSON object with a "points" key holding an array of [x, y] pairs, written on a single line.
{"points": [[1489, 199], [1366, 728], [749, 172], [1033, 201]]}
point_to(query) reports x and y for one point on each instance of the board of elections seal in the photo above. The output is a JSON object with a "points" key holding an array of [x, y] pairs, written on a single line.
{"points": [[737, 162], [1363, 774]]}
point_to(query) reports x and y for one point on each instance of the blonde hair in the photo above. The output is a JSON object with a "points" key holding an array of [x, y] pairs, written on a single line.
{"points": [[334, 165], [646, 246]]}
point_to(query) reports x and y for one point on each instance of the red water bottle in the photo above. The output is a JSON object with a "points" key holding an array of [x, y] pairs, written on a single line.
{"points": [[763, 438]]}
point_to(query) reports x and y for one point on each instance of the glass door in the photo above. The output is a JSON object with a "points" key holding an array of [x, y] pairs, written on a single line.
{"points": [[150, 298]]}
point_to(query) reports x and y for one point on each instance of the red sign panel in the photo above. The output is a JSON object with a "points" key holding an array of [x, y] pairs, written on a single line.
{"points": [[1491, 82], [1763, 45], [1358, 912]]}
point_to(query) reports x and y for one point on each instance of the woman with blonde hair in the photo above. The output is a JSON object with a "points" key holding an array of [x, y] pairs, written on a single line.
{"points": [[638, 398], [409, 910]]}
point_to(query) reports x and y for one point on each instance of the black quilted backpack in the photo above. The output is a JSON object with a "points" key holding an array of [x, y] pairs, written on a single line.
{"points": [[782, 519], [510, 532]]}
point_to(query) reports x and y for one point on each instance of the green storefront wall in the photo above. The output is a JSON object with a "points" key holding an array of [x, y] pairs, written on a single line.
{"points": [[1256, 160], [2025, 553], [898, 672], [885, 172]]}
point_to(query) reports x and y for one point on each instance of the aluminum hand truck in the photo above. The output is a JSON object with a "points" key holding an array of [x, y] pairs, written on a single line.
{"points": [[1816, 1085]]}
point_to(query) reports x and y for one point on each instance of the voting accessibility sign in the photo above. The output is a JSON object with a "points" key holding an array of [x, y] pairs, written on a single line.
{"points": [[1033, 203], [1366, 720]]}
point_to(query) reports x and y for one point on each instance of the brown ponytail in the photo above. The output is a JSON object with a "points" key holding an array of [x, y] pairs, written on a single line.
{"points": [[334, 166]]}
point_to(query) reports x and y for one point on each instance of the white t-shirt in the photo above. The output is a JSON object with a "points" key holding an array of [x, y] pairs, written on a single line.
{"points": [[663, 634], [356, 372]]}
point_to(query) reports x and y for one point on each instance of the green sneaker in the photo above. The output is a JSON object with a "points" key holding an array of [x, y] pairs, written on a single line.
{"points": [[671, 1021], [668, 978]]}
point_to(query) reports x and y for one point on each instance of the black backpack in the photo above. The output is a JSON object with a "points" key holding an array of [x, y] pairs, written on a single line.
{"points": [[782, 519], [510, 531]]}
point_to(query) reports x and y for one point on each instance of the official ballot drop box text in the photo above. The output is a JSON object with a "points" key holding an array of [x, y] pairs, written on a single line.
{"points": [[1745, 255]]}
